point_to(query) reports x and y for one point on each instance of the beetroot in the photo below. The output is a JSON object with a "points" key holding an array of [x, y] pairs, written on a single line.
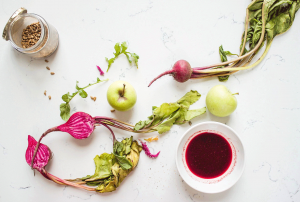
{"points": [[181, 72], [81, 125], [42, 156]]}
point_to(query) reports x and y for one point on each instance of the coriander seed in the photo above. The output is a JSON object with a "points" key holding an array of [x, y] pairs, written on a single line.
{"points": [[31, 34]]}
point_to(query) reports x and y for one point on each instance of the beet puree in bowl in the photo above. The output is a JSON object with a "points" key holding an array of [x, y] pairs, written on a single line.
{"points": [[210, 157]]}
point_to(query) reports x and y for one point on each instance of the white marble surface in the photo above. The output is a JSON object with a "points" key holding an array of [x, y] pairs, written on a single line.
{"points": [[160, 32]]}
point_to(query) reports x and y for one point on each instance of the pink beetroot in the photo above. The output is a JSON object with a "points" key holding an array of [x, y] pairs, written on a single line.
{"points": [[181, 72], [81, 125]]}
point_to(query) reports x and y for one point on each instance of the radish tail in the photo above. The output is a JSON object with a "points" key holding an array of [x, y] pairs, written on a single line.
{"points": [[165, 73]]}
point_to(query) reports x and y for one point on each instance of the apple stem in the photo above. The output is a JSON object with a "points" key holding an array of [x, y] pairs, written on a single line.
{"points": [[235, 94], [123, 90]]}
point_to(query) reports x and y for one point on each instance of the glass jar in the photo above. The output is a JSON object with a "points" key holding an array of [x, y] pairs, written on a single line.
{"points": [[13, 31]]}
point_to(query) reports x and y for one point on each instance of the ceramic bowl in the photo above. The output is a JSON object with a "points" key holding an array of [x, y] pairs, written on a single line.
{"points": [[227, 179]]}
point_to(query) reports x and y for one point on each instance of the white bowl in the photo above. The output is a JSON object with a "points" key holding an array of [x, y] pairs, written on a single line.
{"points": [[227, 179]]}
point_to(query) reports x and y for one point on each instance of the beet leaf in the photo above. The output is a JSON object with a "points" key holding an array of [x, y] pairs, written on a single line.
{"points": [[168, 114]]}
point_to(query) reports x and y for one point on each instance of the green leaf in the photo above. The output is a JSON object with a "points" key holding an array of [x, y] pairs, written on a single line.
{"points": [[77, 87], [86, 177], [112, 169], [163, 112], [122, 148], [103, 164], [124, 47], [65, 107], [223, 55], [135, 59], [282, 18], [166, 126], [82, 93], [121, 49], [65, 111], [95, 183], [175, 113], [127, 56], [107, 186], [223, 78], [123, 162], [66, 97], [189, 98], [110, 61], [190, 114], [117, 49]]}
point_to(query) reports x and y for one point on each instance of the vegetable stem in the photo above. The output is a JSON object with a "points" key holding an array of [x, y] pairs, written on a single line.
{"points": [[246, 55], [38, 143], [165, 73]]}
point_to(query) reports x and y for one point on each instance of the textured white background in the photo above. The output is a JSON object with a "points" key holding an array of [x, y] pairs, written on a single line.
{"points": [[160, 32]]}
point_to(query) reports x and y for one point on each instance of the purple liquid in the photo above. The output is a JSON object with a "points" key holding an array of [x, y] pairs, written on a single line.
{"points": [[208, 155]]}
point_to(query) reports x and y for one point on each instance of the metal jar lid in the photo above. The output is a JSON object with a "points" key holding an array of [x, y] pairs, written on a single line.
{"points": [[20, 11]]}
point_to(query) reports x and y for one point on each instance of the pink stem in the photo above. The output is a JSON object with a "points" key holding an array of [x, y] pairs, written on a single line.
{"points": [[200, 68], [114, 138], [67, 182], [196, 75], [165, 73], [38, 143]]}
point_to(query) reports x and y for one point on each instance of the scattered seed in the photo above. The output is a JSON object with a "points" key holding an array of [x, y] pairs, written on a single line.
{"points": [[46, 61], [52, 73], [48, 68], [93, 98], [49, 97], [45, 93], [113, 110], [190, 123]]}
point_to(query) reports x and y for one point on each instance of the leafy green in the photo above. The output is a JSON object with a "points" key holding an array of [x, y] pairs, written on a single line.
{"points": [[121, 149], [103, 164], [121, 49], [174, 113], [279, 17], [65, 107], [223, 55], [109, 173], [123, 162]]}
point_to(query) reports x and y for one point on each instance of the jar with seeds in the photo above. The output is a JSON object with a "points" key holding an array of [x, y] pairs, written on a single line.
{"points": [[31, 34]]}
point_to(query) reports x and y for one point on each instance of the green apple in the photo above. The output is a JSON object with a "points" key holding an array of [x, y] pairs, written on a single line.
{"points": [[220, 101], [121, 95]]}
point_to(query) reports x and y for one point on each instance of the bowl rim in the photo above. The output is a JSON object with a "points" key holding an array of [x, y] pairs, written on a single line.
{"points": [[223, 125]]}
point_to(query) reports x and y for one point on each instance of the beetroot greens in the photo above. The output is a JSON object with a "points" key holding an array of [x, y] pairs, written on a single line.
{"points": [[111, 169], [264, 21], [81, 125]]}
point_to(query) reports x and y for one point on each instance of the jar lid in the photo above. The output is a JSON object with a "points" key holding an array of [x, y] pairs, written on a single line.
{"points": [[20, 11]]}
